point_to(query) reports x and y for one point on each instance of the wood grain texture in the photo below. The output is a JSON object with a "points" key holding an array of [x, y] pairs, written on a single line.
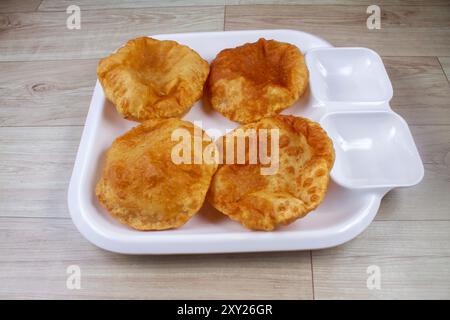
{"points": [[59, 92], [445, 63], [413, 277], [61, 5], [428, 200], [396, 238], [46, 92], [421, 91], [18, 6], [405, 31], [343, 2], [413, 258], [35, 169], [44, 35], [433, 143], [36, 253]]}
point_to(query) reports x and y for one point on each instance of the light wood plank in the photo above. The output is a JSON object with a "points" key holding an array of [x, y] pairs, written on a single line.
{"points": [[397, 239], [413, 258], [401, 277], [426, 201], [58, 92], [35, 169], [343, 2], [36, 252], [433, 143], [18, 6], [102, 31], [421, 91], [429, 199], [61, 5], [405, 31], [445, 63], [46, 92]]}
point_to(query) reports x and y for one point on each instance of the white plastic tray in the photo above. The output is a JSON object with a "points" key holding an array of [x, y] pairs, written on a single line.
{"points": [[349, 95]]}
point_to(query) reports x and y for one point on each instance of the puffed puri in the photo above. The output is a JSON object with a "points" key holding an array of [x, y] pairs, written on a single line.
{"points": [[143, 186], [149, 78], [257, 80], [297, 186]]}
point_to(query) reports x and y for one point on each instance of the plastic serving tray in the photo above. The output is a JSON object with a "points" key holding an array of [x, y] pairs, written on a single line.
{"points": [[349, 96]]}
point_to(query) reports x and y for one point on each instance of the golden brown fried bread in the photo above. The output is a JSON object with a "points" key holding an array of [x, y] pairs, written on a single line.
{"points": [[143, 188], [257, 80], [261, 202], [149, 78]]}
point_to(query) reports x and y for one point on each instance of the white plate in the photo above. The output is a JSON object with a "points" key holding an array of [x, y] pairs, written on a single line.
{"points": [[349, 96]]}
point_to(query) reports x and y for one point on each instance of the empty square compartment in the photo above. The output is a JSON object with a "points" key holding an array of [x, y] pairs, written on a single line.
{"points": [[348, 75], [373, 149]]}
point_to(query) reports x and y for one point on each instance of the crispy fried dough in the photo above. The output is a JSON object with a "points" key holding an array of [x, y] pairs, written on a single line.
{"points": [[257, 80], [143, 188], [149, 78], [261, 202]]}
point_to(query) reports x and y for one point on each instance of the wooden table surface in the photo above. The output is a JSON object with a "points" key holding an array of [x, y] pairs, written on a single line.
{"points": [[47, 75]]}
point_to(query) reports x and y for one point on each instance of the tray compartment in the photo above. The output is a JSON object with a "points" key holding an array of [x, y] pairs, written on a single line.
{"points": [[373, 150], [348, 76]]}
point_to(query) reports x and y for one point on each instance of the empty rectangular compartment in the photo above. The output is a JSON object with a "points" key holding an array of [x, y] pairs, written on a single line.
{"points": [[373, 149], [348, 75]]}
